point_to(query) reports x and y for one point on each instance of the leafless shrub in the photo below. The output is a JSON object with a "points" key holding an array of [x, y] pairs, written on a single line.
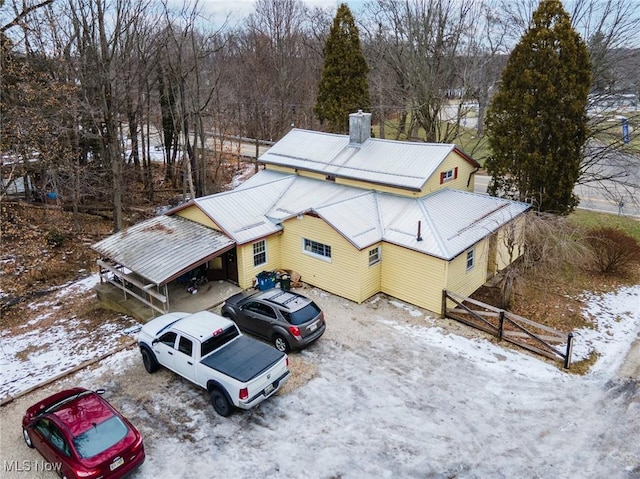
{"points": [[552, 243], [613, 251]]}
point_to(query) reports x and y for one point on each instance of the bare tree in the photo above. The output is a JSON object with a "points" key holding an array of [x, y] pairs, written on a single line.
{"points": [[419, 43]]}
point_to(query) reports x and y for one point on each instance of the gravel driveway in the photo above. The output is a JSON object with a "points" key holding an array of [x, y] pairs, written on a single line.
{"points": [[388, 392]]}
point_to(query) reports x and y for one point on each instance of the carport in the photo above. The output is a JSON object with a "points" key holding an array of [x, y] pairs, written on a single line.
{"points": [[143, 259]]}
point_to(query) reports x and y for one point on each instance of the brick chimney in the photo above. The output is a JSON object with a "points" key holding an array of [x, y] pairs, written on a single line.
{"points": [[359, 128]]}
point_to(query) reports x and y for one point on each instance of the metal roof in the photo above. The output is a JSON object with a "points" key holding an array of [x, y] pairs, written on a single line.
{"points": [[164, 247], [402, 164], [450, 220], [242, 214]]}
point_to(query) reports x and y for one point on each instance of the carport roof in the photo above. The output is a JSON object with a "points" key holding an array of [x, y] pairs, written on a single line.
{"points": [[163, 248]]}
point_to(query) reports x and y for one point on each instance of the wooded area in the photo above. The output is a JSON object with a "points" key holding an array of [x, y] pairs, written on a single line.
{"points": [[94, 90]]}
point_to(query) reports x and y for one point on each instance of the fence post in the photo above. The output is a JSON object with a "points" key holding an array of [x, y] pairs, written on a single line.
{"points": [[500, 324], [567, 358], [443, 312]]}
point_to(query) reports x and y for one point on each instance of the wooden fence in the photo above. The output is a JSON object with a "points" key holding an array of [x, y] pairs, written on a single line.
{"points": [[510, 327]]}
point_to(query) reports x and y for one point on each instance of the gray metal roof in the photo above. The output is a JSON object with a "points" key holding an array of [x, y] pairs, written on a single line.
{"points": [[163, 248], [401, 164], [242, 214], [450, 220]]}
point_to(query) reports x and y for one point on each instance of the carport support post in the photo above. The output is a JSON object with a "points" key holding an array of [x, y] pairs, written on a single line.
{"points": [[567, 358], [443, 309], [500, 324]]}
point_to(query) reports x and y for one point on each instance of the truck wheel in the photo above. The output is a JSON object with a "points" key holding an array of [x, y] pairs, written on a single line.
{"points": [[27, 438], [220, 403], [149, 360], [280, 344]]}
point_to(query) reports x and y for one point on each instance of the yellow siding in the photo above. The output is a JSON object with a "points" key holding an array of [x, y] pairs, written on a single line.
{"points": [[195, 214], [510, 233], [295, 171], [370, 276], [462, 281], [371, 186], [247, 271], [432, 184], [460, 183], [340, 276], [412, 277]]}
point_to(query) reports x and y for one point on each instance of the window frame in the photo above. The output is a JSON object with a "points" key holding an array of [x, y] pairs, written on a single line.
{"points": [[471, 259], [375, 258], [308, 247], [449, 175], [258, 254]]}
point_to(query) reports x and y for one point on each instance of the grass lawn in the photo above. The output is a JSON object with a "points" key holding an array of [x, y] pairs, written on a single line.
{"points": [[592, 220]]}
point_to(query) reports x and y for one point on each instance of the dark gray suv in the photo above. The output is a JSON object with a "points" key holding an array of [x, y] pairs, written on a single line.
{"points": [[287, 319]]}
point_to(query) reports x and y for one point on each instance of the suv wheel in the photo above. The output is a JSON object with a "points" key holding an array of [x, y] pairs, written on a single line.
{"points": [[280, 344]]}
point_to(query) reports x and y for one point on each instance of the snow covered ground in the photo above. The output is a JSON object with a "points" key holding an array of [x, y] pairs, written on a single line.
{"points": [[394, 394]]}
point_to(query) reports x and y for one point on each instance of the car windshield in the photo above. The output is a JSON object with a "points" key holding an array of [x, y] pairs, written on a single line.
{"points": [[100, 437], [303, 315], [218, 340]]}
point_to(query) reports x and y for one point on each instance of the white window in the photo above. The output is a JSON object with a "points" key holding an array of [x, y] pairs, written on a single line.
{"points": [[319, 250], [259, 253], [448, 175], [374, 256], [470, 259]]}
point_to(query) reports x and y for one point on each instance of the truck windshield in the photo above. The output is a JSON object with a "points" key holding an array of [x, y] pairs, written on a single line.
{"points": [[215, 342]]}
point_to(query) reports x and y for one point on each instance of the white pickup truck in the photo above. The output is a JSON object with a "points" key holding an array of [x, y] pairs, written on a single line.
{"points": [[210, 351]]}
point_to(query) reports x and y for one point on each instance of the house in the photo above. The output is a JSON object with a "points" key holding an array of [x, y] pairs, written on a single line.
{"points": [[353, 215]]}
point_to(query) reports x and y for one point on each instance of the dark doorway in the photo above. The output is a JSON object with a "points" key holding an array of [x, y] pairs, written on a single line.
{"points": [[224, 267], [230, 262]]}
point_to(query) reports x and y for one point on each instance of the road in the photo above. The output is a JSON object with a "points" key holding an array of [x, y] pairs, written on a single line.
{"points": [[592, 197]]}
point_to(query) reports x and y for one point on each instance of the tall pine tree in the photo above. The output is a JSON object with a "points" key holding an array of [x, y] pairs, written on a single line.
{"points": [[343, 87], [537, 122]]}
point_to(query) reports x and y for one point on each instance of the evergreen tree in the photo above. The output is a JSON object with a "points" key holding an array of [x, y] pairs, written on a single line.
{"points": [[343, 87], [537, 122]]}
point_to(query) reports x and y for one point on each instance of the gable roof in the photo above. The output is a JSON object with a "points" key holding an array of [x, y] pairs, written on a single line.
{"points": [[451, 221], [400, 164]]}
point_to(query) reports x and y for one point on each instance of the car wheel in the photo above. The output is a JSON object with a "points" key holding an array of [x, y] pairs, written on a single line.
{"points": [[220, 403], [27, 438], [280, 344], [149, 361]]}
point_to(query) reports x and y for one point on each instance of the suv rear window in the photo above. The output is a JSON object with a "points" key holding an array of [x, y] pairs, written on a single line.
{"points": [[302, 315]]}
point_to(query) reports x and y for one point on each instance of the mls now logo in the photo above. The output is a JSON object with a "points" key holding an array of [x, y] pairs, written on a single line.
{"points": [[31, 466]]}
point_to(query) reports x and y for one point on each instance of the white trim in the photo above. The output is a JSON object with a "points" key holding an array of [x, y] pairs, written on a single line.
{"points": [[378, 254], [254, 254], [471, 255], [315, 255]]}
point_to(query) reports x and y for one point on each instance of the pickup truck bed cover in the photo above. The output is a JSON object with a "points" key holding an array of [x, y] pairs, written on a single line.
{"points": [[254, 353]]}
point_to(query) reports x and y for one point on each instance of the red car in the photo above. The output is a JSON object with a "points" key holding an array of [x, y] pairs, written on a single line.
{"points": [[80, 432]]}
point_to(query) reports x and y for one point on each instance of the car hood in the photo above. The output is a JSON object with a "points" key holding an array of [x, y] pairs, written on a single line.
{"points": [[153, 327], [238, 298]]}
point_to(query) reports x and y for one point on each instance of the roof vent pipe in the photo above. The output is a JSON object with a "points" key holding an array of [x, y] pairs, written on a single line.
{"points": [[419, 238], [359, 128]]}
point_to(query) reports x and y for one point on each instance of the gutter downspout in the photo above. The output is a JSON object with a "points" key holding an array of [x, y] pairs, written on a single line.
{"points": [[471, 174]]}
